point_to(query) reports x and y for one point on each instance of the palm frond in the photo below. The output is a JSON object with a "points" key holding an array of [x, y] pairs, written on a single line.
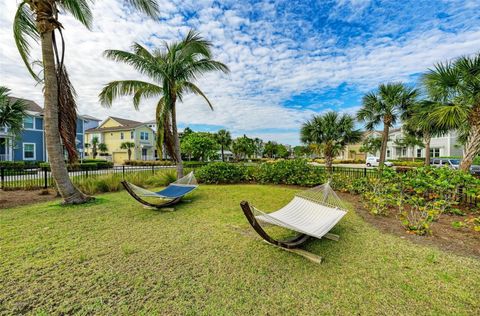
{"points": [[24, 28], [449, 116], [149, 7], [116, 89], [190, 87], [67, 114], [79, 9], [141, 64]]}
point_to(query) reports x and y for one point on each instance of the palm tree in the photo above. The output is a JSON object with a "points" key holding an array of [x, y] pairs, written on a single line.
{"points": [[12, 112], [224, 139], [172, 68], [128, 146], [102, 147], [38, 20], [386, 106], [456, 86], [332, 132], [419, 123], [95, 143]]}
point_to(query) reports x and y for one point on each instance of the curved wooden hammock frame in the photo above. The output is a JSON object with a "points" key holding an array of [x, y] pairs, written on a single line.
{"points": [[290, 244], [166, 203]]}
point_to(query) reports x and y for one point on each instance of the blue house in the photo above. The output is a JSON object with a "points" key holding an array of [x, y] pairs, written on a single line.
{"points": [[30, 145]]}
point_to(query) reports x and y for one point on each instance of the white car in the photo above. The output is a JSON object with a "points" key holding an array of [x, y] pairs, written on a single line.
{"points": [[375, 161]]}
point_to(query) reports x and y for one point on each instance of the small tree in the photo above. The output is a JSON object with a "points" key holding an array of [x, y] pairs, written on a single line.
{"points": [[95, 143], [224, 139], [128, 146], [102, 147], [201, 146], [12, 113], [243, 147]]}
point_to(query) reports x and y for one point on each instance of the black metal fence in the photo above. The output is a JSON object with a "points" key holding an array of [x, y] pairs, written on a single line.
{"points": [[38, 178]]}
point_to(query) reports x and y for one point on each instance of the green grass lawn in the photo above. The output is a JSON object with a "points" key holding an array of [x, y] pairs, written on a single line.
{"points": [[115, 257]]}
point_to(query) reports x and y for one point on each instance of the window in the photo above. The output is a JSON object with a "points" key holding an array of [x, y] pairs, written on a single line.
{"points": [[434, 152], [388, 153], [132, 135], [143, 135], [419, 153], [404, 151], [28, 151], [28, 122], [122, 136]]}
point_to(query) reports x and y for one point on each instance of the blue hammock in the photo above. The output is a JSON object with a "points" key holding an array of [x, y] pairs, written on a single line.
{"points": [[174, 191]]}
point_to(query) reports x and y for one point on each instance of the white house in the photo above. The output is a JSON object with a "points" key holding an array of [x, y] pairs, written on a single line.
{"points": [[443, 146]]}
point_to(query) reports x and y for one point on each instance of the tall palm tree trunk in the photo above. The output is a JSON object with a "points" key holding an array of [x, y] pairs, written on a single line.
{"points": [[383, 148], [426, 140], [67, 190], [177, 143], [472, 146], [223, 156]]}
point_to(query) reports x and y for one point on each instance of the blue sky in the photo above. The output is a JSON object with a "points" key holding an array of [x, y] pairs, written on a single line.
{"points": [[289, 59]]}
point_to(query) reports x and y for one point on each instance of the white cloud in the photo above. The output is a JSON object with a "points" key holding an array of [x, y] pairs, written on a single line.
{"points": [[268, 67]]}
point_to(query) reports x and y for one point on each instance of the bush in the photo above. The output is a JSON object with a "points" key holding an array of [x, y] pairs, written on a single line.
{"points": [[19, 164], [75, 166], [403, 163], [222, 172], [101, 164], [295, 171], [149, 163]]}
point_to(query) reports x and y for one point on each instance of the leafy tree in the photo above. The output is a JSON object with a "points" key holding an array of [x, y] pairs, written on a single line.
{"points": [[38, 20], [201, 146], [12, 112], [409, 140], [301, 151], [371, 145], [128, 146], [224, 139], [456, 87], [282, 151], [387, 105], [173, 68], [102, 147], [187, 131], [418, 122], [332, 132], [270, 149], [243, 147]]}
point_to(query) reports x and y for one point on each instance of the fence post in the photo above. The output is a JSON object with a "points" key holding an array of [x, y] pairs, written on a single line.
{"points": [[86, 173], [45, 178], [365, 172], [153, 169], [123, 171], [2, 172]]}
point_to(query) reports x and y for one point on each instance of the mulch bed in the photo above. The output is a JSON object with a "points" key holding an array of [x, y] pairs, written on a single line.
{"points": [[18, 198], [462, 241]]}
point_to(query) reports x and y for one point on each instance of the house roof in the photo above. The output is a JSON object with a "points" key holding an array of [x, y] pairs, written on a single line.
{"points": [[90, 118], [126, 125], [31, 106]]}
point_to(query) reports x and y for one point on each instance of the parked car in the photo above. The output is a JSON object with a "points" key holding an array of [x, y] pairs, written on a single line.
{"points": [[445, 162], [375, 161], [453, 164]]}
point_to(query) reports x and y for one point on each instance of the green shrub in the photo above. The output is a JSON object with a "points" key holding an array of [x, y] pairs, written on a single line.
{"points": [[149, 163], [222, 172], [19, 164], [101, 164], [403, 163], [75, 166], [294, 171]]}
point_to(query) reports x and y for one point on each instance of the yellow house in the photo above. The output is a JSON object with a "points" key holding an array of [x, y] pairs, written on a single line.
{"points": [[114, 131]]}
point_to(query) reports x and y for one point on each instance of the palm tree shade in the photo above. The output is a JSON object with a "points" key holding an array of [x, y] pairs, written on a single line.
{"points": [[224, 139], [386, 105], [38, 21], [332, 132], [172, 69], [455, 86]]}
